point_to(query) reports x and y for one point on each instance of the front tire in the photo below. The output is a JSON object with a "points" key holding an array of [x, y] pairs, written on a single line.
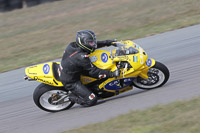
{"points": [[51, 98], [158, 76]]}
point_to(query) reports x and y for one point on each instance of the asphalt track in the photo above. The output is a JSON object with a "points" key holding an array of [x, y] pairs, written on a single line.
{"points": [[179, 50]]}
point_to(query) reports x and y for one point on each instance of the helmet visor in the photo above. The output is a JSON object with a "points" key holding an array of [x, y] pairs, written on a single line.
{"points": [[92, 43]]}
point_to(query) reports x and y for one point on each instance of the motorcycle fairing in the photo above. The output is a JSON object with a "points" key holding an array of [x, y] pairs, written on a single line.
{"points": [[101, 59], [119, 83], [87, 80]]}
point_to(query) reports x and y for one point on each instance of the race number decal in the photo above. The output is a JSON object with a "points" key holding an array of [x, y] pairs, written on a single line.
{"points": [[46, 69], [104, 57], [148, 62]]}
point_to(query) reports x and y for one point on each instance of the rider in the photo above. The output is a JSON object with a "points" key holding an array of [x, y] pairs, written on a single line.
{"points": [[75, 61]]}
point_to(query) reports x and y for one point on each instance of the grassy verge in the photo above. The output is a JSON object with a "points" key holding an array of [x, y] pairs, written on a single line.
{"points": [[177, 117], [41, 33]]}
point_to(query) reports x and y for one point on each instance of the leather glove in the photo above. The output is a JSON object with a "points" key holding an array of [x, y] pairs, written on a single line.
{"points": [[116, 73], [109, 42]]}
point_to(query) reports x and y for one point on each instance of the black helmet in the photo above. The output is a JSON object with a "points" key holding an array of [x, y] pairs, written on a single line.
{"points": [[86, 40]]}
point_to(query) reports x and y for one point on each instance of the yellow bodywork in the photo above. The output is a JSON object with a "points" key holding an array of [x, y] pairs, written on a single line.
{"points": [[99, 63], [39, 73], [101, 59]]}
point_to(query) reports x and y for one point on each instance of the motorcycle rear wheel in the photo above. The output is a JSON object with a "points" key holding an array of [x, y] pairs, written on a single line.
{"points": [[47, 98], [158, 76]]}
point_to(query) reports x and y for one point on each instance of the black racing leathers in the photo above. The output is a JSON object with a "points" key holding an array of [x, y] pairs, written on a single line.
{"points": [[74, 63]]}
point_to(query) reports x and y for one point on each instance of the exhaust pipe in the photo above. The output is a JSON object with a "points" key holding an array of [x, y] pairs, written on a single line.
{"points": [[28, 78]]}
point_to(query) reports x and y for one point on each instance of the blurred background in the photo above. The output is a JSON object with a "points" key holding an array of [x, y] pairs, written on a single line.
{"points": [[41, 30], [34, 31], [8, 5]]}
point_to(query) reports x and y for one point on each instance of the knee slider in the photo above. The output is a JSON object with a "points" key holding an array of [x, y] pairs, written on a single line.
{"points": [[92, 99]]}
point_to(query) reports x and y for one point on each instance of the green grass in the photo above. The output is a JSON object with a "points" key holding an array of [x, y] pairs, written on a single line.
{"points": [[41, 33], [177, 117]]}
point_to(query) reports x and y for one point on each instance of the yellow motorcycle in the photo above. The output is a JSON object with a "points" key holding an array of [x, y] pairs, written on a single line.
{"points": [[136, 70]]}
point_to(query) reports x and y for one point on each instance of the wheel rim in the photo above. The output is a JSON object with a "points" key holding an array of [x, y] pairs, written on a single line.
{"points": [[156, 78], [54, 100]]}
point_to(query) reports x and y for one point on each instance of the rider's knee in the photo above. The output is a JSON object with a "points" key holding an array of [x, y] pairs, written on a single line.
{"points": [[91, 100]]}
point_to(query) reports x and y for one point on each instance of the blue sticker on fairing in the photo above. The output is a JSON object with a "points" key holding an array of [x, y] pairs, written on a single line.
{"points": [[148, 62], [46, 68], [116, 85], [134, 58], [104, 57]]}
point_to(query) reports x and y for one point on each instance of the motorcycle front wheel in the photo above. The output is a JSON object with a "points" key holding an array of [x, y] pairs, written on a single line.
{"points": [[51, 98], [158, 75]]}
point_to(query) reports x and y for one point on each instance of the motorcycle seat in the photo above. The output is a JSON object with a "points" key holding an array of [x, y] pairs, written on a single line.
{"points": [[56, 71]]}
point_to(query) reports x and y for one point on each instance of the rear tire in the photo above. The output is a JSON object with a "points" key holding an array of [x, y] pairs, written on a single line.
{"points": [[45, 97], [158, 76]]}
